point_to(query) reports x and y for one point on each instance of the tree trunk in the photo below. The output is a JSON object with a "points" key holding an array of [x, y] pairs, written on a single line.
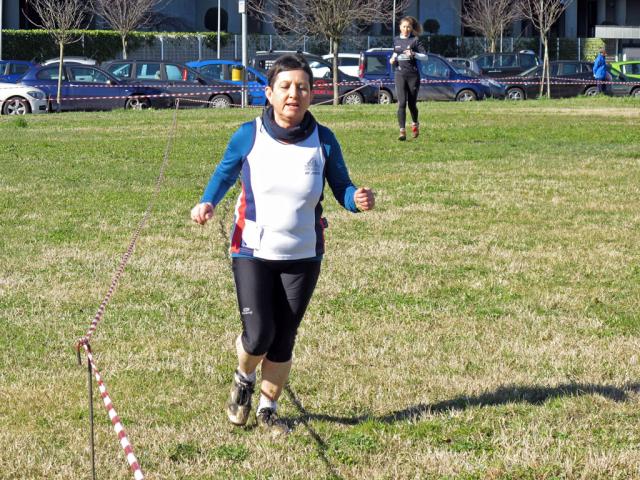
{"points": [[334, 48], [124, 46], [544, 67], [546, 62], [59, 93], [492, 45]]}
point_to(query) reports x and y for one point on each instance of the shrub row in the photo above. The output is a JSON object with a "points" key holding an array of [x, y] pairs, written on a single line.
{"points": [[38, 45]]}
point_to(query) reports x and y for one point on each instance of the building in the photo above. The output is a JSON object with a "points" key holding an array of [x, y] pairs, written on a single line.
{"points": [[579, 20]]}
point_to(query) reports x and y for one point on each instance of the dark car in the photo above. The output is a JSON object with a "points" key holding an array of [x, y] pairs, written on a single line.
{"points": [[569, 79], [177, 81], [12, 70], [622, 86], [499, 65], [86, 87], [440, 80], [223, 71], [351, 90]]}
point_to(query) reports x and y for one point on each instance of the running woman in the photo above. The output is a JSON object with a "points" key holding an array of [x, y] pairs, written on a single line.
{"points": [[406, 48], [283, 158]]}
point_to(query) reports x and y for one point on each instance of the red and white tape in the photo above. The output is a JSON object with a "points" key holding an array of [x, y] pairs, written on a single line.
{"points": [[115, 419]]}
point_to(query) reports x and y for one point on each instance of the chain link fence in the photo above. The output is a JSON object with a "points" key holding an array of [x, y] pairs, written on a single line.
{"points": [[183, 49]]}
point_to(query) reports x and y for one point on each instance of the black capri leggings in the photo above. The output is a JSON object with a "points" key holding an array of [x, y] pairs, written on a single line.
{"points": [[272, 298], [407, 86]]}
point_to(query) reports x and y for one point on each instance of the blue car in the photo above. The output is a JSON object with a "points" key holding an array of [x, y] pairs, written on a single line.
{"points": [[86, 87], [220, 70], [440, 80], [12, 70]]}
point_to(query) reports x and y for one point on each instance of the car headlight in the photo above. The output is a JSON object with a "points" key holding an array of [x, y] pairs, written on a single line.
{"points": [[35, 94]]}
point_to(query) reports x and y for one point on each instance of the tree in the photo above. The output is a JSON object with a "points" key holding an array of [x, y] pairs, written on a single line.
{"points": [[490, 17], [331, 19], [125, 16], [543, 14], [60, 18]]}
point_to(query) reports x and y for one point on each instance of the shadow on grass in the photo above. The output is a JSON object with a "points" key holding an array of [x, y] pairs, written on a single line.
{"points": [[321, 445], [502, 396]]}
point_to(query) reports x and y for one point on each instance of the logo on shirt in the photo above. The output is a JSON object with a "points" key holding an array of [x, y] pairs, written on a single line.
{"points": [[247, 311], [312, 167]]}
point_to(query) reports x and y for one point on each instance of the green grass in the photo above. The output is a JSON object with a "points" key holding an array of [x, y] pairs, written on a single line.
{"points": [[481, 323]]}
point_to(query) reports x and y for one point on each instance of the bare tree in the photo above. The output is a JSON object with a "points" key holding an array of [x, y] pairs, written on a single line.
{"points": [[125, 16], [331, 19], [490, 17], [543, 14], [60, 18]]}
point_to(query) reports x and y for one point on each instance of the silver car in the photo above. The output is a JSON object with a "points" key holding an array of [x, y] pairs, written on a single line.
{"points": [[17, 99]]}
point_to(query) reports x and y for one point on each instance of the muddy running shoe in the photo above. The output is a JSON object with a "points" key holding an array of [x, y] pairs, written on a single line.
{"points": [[268, 421], [239, 405], [415, 130], [403, 135]]}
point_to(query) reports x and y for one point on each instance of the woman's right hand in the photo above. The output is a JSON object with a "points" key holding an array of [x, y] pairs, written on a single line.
{"points": [[202, 212]]}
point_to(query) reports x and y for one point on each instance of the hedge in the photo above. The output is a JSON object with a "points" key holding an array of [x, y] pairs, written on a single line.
{"points": [[38, 45]]}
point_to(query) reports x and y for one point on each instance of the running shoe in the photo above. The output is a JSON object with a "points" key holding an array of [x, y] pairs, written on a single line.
{"points": [[239, 405], [268, 420], [415, 130], [403, 135]]}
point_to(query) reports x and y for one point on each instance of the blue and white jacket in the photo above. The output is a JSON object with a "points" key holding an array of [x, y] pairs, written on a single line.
{"points": [[278, 215]]}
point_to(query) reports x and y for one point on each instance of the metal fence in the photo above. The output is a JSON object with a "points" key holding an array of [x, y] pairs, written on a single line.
{"points": [[182, 49]]}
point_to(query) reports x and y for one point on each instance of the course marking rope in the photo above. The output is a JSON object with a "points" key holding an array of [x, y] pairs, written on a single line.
{"points": [[83, 343]]}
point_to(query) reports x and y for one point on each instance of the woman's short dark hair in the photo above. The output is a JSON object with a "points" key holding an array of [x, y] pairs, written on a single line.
{"points": [[286, 63]]}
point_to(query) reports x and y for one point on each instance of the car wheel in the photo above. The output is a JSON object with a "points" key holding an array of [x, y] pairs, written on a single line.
{"points": [[352, 98], [219, 101], [16, 106], [466, 96], [515, 94], [137, 103], [591, 91], [385, 98], [635, 93]]}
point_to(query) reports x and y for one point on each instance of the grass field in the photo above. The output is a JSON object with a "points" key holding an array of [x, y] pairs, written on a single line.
{"points": [[482, 323]]}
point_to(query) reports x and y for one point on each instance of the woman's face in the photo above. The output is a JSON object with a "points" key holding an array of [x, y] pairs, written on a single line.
{"points": [[405, 28], [290, 97]]}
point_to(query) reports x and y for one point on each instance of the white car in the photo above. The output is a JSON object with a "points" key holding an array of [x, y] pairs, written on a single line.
{"points": [[347, 62], [17, 99]]}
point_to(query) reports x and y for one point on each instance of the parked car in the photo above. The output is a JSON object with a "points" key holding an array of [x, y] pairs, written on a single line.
{"points": [[347, 63], [570, 79], [16, 99], [440, 80], [12, 70], [222, 71], [352, 90], [176, 80], [86, 87], [629, 68], [622, 86], [71, 59], [497, 65]]}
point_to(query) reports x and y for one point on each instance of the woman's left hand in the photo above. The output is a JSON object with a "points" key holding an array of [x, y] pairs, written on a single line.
{"points": [[364, 198]]}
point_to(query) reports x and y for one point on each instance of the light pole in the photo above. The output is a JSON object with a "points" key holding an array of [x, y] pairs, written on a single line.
{"points": [[218, 35], [1, 5], [242, 9], [393, 21]]}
